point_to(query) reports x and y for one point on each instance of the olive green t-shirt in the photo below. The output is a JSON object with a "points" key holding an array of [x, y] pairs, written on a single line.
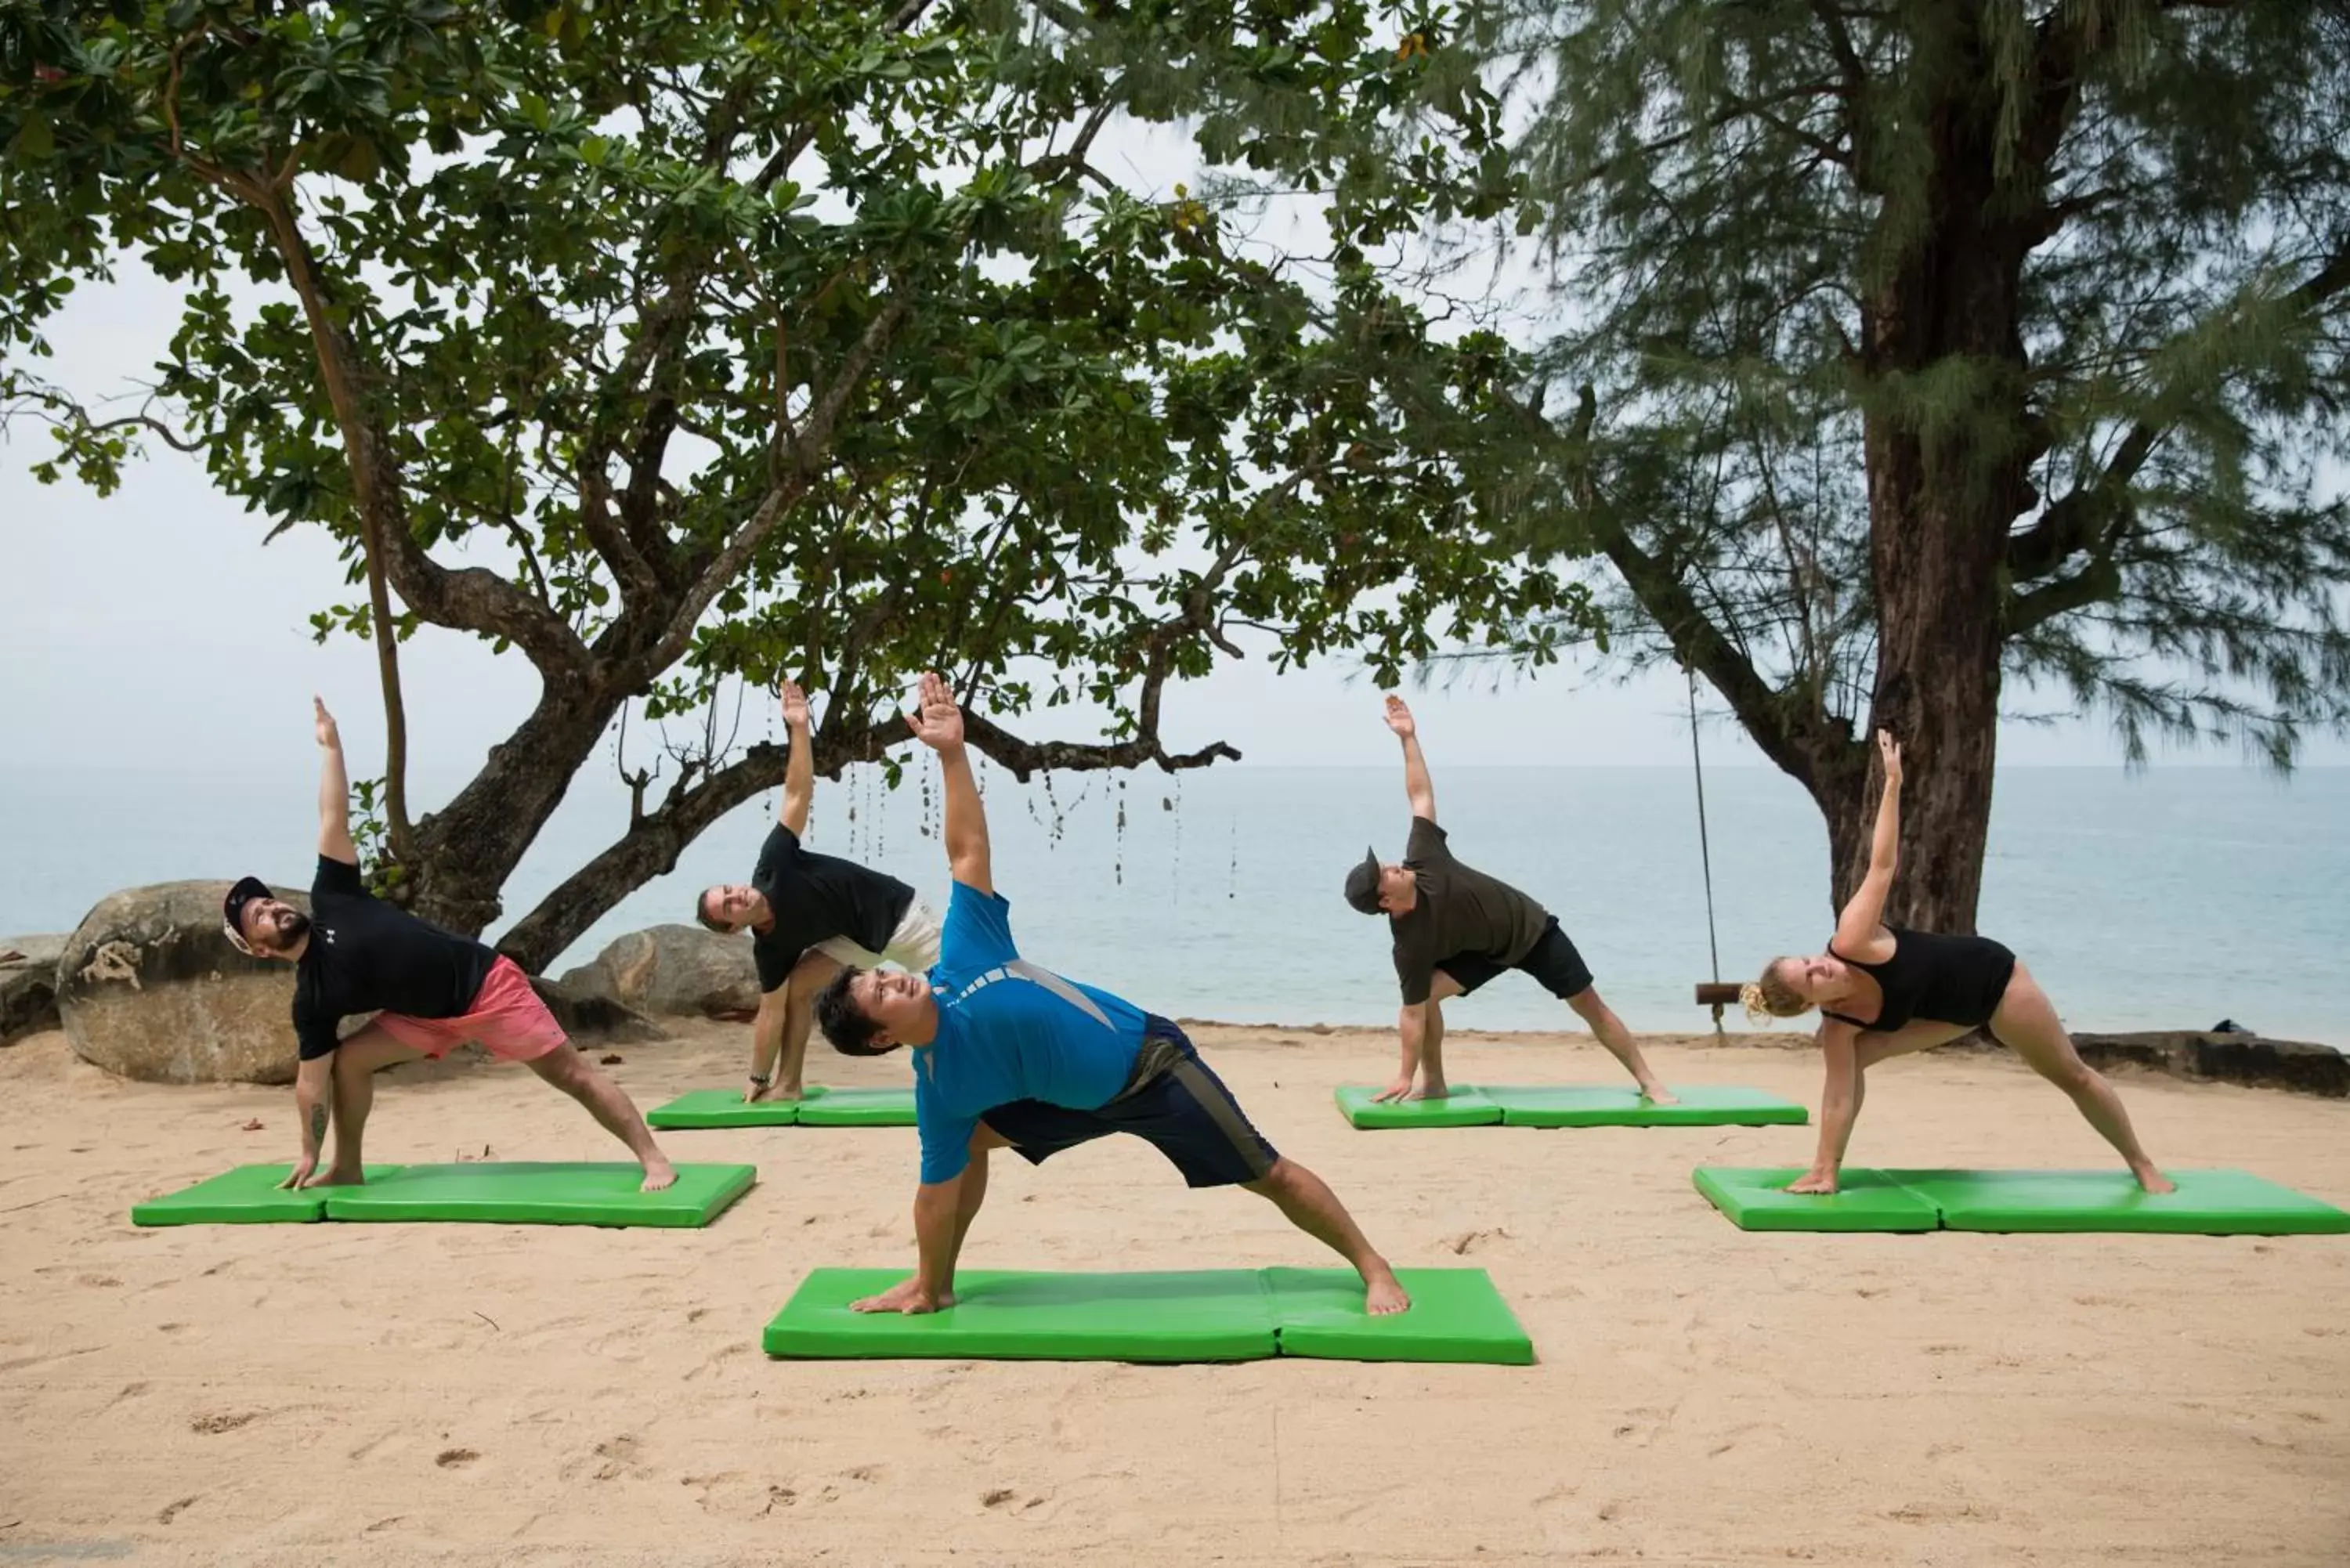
{"points": [[1461, 910]]}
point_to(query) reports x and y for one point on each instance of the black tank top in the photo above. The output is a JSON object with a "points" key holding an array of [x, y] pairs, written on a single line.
{"points": [[1945, 979]]}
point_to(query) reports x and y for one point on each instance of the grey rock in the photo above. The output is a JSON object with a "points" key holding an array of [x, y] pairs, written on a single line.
{"points": [[149, 988], [28, 985], [2234, 1057], [678, 971]]}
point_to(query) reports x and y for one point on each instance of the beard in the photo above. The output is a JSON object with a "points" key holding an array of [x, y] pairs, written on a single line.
{"points": [[290, 930]]}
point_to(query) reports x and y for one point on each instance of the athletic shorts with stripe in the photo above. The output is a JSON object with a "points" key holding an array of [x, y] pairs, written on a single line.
{"points": [[1174, 1101]]}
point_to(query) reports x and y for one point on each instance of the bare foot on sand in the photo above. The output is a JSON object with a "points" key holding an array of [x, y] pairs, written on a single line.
{"points": [[1383, 1296], [658, 1173]]}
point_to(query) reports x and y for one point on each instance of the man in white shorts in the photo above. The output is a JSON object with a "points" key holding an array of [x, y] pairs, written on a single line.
{"points": [[810, 916]]}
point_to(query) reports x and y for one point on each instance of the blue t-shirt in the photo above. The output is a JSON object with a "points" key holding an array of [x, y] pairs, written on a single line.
{"points": [[1009, 1030]]}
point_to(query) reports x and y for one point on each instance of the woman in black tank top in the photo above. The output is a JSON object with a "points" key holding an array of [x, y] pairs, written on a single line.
{"points": [[1885, 990]]}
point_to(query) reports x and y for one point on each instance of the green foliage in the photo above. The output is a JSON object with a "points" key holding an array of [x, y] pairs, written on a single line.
{"points": [[1752, 206], [618, 293]]}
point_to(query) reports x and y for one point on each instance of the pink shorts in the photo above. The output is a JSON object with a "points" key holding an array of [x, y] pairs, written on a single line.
{"points": [[508, 1020]]}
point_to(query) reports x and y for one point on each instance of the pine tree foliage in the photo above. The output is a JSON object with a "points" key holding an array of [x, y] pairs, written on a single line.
{"points": [[1748, 200]]}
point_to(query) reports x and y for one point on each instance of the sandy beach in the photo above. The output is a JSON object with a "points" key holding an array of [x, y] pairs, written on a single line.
{"points": [[488, 1394]]}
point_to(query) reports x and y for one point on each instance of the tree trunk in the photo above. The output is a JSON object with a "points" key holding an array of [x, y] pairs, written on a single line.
{"points": [[466, 850], [1946, 481]]}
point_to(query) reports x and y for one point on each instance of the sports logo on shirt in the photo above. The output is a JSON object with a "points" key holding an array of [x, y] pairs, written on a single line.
{"points": [[1036, 974]]}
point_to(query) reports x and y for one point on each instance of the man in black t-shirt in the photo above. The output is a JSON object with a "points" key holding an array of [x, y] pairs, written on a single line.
{"points": [[1455, 928], [810, 915], [430, 992]]}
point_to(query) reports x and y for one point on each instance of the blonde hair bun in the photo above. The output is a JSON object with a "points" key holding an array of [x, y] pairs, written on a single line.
{"points": [[1749, 996]]}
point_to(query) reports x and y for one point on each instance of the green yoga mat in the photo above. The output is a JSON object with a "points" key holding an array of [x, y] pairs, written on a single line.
{"points": [[1466, 1107], [822, 1107], [246, 1196], [858, 1108], [2207, 1202], [1224, 1315], [521, 1193], [1864, 1200], [1595, 1105], [1456, 1316]]}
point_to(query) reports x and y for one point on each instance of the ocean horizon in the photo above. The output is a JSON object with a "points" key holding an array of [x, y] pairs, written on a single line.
{"points": [[2170, 899]]}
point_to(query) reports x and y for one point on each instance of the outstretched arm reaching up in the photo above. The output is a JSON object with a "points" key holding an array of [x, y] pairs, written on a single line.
{"points": [[799, 768], [1415, 766], [334, 791], [1865, 910], [939, 726]]}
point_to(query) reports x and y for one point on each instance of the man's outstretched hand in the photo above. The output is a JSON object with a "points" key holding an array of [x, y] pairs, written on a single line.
{"points": [[796, 708], [939, 723], [1399, 719], [329, 736]]}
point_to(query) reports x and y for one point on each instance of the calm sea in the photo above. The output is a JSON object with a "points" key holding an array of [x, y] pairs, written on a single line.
{"points": [[2171, 899]]}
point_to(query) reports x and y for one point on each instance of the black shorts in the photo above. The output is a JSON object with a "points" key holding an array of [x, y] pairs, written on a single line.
{"points": [[1551, 960], [1181, 1108]]}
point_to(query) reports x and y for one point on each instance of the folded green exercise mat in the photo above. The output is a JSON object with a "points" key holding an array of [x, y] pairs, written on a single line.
{"points": [[1754, 1198], [820, 1107], [1456, 1314], [1607, 1105], [1001, 1315], [2207, 1202], [1222, 1314], [246, 1196], [583, 1193], [1465, 1108]]}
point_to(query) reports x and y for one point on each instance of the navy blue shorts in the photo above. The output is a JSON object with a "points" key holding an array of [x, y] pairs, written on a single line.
{"points": [[1181, 1108], [1551, 960]]}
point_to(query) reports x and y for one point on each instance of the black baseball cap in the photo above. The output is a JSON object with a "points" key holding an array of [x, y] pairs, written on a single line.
{"points": [[247, 890], [1363, 883]]}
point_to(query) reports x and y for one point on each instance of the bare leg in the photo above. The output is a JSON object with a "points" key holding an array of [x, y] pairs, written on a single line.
{"points": [[810, 975], [1620, 1044], [614, 1111], [1432, 1085], [2026, 1024], [1430, 1072], [356, 1062], [1313, 1208]]}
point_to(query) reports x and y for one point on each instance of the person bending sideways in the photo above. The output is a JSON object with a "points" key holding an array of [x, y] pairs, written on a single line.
{"points": [[1455, 927], [1008, 1055], [1885, 990], [808, 915], [430, 992]]}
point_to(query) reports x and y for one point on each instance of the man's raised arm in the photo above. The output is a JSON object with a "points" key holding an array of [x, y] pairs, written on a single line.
{"points": [[939, 726], [334, 791], [799, 767], [1415, 767]]}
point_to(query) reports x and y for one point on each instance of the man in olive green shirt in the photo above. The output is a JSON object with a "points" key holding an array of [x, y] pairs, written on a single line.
{"points": [[1456, 927]]}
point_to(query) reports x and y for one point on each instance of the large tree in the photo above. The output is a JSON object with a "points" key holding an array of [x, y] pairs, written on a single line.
{"points": [[1929, 344], [742, 340]]}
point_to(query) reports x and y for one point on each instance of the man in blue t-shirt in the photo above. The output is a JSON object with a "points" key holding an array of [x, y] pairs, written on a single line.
{"points": [[1008, 1055]]}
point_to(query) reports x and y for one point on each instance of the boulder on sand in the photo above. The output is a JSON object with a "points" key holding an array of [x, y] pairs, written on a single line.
{"points": [[677, 971], [28, 985], [149, 987]]}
